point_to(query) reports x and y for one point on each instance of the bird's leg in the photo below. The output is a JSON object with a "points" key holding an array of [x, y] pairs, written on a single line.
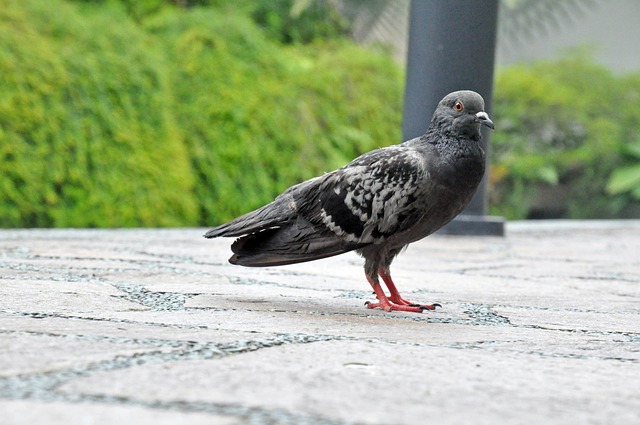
{"points": [[394, 295], [385, 304], [383, 301]]}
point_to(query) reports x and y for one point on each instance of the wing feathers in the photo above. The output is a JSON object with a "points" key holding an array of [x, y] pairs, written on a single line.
{"points": [[360, 204], [294, 243]]}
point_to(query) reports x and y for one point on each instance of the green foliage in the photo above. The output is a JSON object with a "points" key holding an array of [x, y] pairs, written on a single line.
{"points": [[172, 116], [626, 179], [564, 124], [86, 133], [299, 21], [137, 9], [260, 117]]}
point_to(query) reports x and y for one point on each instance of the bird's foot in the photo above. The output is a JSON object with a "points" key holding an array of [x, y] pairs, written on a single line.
{"points": [[397, 299], [394, 302], [406, 306], [426, 306]]}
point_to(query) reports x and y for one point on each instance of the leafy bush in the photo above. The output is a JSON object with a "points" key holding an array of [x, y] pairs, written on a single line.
{"points": [[562, 125], [291, 21], [259, 116], [111, 117], [87, 137], [626, 179]]}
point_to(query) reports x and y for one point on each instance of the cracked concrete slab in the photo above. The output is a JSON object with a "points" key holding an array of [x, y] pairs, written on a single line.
{"points": [[29, 412], [355, 380], [24, 353], [154, 326]]}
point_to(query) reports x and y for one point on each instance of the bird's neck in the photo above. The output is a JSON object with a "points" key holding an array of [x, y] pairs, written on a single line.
{"points": [[437, 133], [452, 145], [462, 157]]}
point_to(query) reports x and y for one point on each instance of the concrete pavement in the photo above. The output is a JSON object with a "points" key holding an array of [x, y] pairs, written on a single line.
{"points": [[155, 327]]}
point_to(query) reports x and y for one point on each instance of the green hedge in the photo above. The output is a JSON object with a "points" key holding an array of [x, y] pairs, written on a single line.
{"points": [[260, 116], [87, 134], [567, 125], [185, 117]]}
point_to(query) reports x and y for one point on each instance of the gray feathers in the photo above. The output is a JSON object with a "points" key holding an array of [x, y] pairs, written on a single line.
{"points": [[371, 197], [376, 204]]}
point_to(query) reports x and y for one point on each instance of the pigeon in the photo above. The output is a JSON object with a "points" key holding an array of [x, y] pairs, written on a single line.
{"points": [[375, 205]]}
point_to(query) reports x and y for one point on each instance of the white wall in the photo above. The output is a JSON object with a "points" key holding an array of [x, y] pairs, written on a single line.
{"points": [[610, 27]]}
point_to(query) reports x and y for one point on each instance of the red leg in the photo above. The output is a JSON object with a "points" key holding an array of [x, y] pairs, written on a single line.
{"points": [[394, 295], [383, 301], [385, 304]]}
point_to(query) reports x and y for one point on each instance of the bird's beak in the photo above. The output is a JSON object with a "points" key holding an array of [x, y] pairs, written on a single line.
{"points": [[483, 118]]}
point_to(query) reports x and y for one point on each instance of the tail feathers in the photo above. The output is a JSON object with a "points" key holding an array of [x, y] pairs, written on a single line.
{"points": [[287, 245], [270, 216], [280, 212]]}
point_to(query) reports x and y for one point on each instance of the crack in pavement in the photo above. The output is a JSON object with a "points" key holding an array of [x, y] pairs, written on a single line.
{"points": [[45, 386], [250, 415], [157, 301]]}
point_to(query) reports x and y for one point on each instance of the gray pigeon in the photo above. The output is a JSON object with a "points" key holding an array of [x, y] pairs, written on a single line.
{"points": [[376, 205]]}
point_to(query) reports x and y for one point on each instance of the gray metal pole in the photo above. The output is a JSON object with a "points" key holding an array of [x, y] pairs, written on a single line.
{"points": [[452, 47]]}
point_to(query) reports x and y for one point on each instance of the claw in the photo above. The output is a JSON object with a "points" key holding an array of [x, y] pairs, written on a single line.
{"points": [[426, 306]]}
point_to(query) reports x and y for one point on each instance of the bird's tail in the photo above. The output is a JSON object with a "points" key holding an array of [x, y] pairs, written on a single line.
{"points": [[271, 215], [276, 235], [295, 242]]}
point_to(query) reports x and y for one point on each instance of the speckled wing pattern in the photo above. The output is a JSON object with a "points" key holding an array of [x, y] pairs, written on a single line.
{"points": [[374, 196]]}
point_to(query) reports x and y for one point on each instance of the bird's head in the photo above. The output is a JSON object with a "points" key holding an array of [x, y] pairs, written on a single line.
{"points": [[461, 114]]}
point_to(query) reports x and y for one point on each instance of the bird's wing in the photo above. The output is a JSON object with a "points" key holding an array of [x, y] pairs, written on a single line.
{"points": [[370, 199], [365, 202], [279, 234]]}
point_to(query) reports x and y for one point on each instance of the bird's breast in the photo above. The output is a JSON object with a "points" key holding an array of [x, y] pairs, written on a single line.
{"points": [[459, 167], [449, 189]]}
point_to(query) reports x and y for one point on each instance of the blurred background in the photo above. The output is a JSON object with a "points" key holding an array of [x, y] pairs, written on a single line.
{"points": [[126, 113]]}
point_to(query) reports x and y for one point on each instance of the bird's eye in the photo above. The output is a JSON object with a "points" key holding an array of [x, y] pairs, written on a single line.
{"points": [[458, 106]]}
